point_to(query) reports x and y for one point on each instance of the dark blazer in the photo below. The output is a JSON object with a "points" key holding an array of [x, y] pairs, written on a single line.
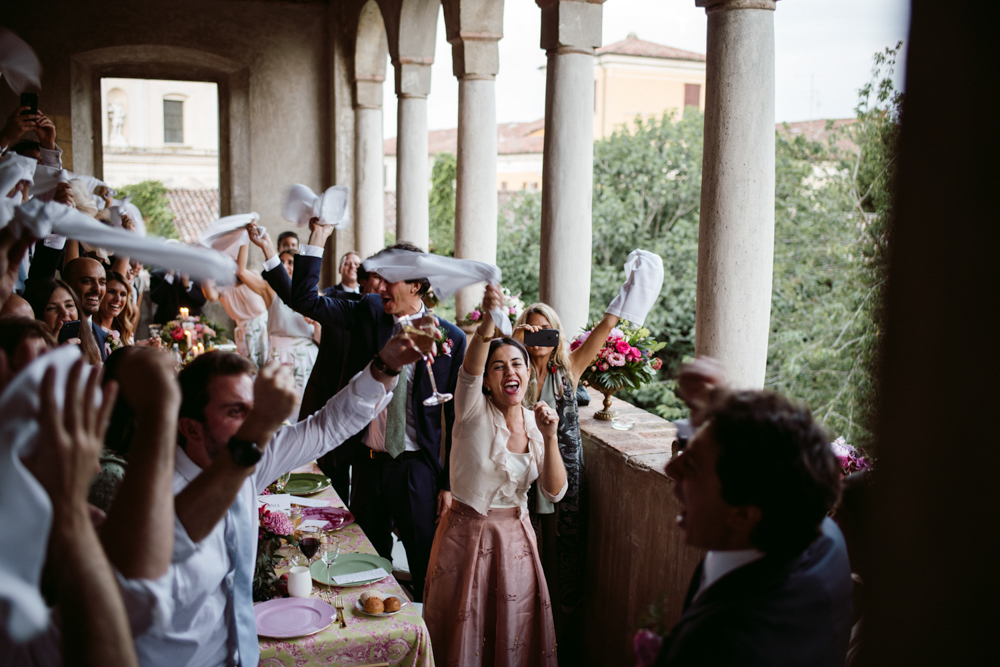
{"points": [[171, 297], [101, 336], [338, 292], [770, 613], [370, 328]]}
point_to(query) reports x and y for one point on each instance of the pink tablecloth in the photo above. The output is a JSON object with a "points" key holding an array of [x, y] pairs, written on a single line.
{"points": [[400, 639]]}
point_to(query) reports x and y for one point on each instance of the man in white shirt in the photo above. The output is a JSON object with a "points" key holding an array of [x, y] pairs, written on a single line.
{"points": [[232, 448]]}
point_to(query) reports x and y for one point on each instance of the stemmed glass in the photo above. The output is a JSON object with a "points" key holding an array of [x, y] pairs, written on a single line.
{"points": [[282, 481], [329, 551], [309, 542], [424, 330]]}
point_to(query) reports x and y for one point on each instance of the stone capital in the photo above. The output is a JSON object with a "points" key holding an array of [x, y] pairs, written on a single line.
{"points": [[571, 24], [368, 93], [724, 5], [475, 55], [413, 76]]}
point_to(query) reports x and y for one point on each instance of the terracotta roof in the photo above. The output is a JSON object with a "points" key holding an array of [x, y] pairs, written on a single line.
{"points": [[193, 210], [816, 130], [633, 46], [512, 139]]}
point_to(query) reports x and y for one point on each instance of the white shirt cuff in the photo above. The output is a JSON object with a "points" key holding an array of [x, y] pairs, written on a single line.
{"points": [[372, 391], [51, 157], [169, 278], [311, 251], [55, 241], [271, 263]]}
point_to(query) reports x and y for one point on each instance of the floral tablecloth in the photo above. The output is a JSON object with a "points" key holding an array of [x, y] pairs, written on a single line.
{"points": [[400, 639]]}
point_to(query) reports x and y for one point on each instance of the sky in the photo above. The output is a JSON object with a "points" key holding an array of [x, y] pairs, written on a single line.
{"points": [[823, 54]]}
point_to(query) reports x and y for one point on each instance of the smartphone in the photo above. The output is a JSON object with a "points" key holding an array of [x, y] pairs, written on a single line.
{"points": [[29, 100], [69, 330], [541, 338]]}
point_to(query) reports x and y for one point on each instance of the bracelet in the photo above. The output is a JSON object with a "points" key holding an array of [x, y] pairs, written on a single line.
{"points": [[378, 363], [481, 338]]}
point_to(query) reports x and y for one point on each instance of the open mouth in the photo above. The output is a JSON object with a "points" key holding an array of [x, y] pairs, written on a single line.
{"points": [[511, 388], [93, 301]]}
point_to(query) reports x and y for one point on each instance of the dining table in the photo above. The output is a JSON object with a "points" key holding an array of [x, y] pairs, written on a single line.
{"points": [[398, 639]]}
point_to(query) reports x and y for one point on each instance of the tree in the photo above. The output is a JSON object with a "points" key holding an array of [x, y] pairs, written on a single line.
{"points": [[150, 197], [442, 205]]}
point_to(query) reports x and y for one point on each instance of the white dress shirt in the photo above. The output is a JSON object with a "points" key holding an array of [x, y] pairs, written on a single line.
{"points": [[203, 572], [720, 563]]}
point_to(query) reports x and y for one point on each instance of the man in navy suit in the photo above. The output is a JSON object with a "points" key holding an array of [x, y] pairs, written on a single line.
{"points": [[88, 278], [407, 491], [170, 293], [756, 482]]}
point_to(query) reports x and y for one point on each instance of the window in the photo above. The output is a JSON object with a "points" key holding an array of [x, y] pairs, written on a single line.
{"points": [[692, 95], [503, 186], [173, 122]]}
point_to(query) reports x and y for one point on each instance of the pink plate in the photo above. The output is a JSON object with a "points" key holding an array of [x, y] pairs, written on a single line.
{"points": [[283, 618], [336, 517]]}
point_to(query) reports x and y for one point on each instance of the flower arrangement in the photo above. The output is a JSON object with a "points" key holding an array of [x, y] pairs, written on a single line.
{"points": [[851, 458], [274, 527], [445, 344], [190, 330], [625, 361], [512, 306]]}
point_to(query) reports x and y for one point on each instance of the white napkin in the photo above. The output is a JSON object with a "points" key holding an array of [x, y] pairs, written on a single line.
{"points": [[643, 280], [46, 180], [229, 233], [23, 501], [367, 575], [332, 207], [18, 63], [309, 502], [200, 263], [15, 168], [7, 208], [121, 207], [446, 274]]}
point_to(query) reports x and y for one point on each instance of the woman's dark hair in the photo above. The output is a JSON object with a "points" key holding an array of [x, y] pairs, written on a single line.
{"points": [[38, 292], [774, 456], [496, 344]]}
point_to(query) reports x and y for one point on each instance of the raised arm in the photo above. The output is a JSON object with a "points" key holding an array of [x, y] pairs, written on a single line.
{"points": [[581, 357], [479, 347], [305, 297], [252, 279]]}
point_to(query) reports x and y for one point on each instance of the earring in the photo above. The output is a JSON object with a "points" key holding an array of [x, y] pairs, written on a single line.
{"points": [[486, 390]]}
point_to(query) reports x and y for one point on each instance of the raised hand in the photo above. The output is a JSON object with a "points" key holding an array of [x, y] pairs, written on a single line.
{"points": [[260, 238], [546, 419], [46, 132], [16, 126], [274, 398]]}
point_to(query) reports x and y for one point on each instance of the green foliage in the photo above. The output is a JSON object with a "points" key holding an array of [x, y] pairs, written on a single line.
{"points": [[519, 244], [150, 197], [442, 205]]}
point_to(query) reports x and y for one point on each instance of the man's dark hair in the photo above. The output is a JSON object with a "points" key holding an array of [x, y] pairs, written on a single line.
{"points": [[286, 252], [287, 235], [362, 274], [197, 375], [26, 146], [425, 285], [774, 456], [14, 329]]}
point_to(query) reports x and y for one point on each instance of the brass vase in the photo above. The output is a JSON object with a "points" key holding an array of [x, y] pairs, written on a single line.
{"points": [[606, 413]]}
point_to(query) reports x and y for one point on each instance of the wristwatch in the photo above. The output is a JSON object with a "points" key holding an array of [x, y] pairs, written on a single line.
{"points": [[244, 452], [378, 363]]}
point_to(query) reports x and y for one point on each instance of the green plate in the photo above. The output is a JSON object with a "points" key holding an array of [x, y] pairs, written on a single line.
{"points": [[349, 564], [306, 483]]}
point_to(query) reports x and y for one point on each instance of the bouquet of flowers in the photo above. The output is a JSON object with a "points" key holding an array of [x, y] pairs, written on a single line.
{"points": [[190, 330], [851, 458], [625, 361], [274, 527], [512, 306]]}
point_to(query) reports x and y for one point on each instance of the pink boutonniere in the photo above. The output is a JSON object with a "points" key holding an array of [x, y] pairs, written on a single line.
{"points": [[445, 344]]}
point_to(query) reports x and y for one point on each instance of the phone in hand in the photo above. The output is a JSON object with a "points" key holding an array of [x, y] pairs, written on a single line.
{"points": [[69, 330], [29, 100], [541, 338]]}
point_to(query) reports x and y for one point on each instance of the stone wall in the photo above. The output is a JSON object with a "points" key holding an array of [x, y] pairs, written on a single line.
{"points": [[636, 553]]}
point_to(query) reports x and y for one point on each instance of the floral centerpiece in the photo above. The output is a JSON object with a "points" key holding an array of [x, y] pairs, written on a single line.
{"points": [[512, 306], [274, 528], [190, 330], [851, 458], [625, 361]]}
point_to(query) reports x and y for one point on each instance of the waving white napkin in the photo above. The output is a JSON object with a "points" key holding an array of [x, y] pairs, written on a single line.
{"points": [[18, 63], [332, 207], [15, 168], [229, 233], [202, 263], [46, 180], [23, 501], [446, 275], [125, 206], [643, 280], [7, 208]]}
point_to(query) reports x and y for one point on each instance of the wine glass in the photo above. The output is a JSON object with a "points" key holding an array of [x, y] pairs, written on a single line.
{"points": [[282, 481], [423, 329], [309, 540], [329, 551]]}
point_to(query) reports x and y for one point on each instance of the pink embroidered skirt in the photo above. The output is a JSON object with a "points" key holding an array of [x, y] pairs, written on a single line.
{"points": [[485, 599]]}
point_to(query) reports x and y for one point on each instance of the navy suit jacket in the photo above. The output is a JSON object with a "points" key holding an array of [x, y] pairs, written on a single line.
{"points": [[773, 612], [101, 337], [171, 297], [369, 329]]}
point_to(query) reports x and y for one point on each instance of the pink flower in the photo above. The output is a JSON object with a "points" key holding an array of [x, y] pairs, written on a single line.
{"points": [[446, 346], [513, 311], [622, 347], [198, 328], [646, 645], [603, 365], [617, 334], [205, 331], [616, 359], [575, 344], [177, 334], [114, 333], [656, 363], [475, 315], [277, 523]]}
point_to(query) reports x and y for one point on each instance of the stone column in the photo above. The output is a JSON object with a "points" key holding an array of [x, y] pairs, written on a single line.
{"points": [[369, 195], [476, 60], [413, 83], [736, 231], [571, 30]]}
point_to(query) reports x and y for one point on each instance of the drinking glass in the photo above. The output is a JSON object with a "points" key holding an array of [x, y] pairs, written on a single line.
{"points": [[309, 540], [329, 551], [281, 482], [423, 329]]}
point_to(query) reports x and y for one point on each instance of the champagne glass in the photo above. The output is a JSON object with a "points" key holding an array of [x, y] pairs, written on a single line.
{"points": [[329, 551], [423, 330], [282, 481]]}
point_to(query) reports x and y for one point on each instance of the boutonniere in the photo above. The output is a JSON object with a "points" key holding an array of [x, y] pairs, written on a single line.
{"points": [[445, 344]]}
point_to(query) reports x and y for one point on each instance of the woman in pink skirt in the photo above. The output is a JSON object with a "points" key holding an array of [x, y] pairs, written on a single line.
{"points": [[485, 600]]}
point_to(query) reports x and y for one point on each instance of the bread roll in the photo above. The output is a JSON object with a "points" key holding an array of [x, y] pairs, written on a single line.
{"points": [[373, 605], [392, 604]]}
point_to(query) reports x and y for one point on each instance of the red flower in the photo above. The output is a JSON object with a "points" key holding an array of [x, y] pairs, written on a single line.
{"points": [[656, 363], [177, 334], [621, 347]]}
